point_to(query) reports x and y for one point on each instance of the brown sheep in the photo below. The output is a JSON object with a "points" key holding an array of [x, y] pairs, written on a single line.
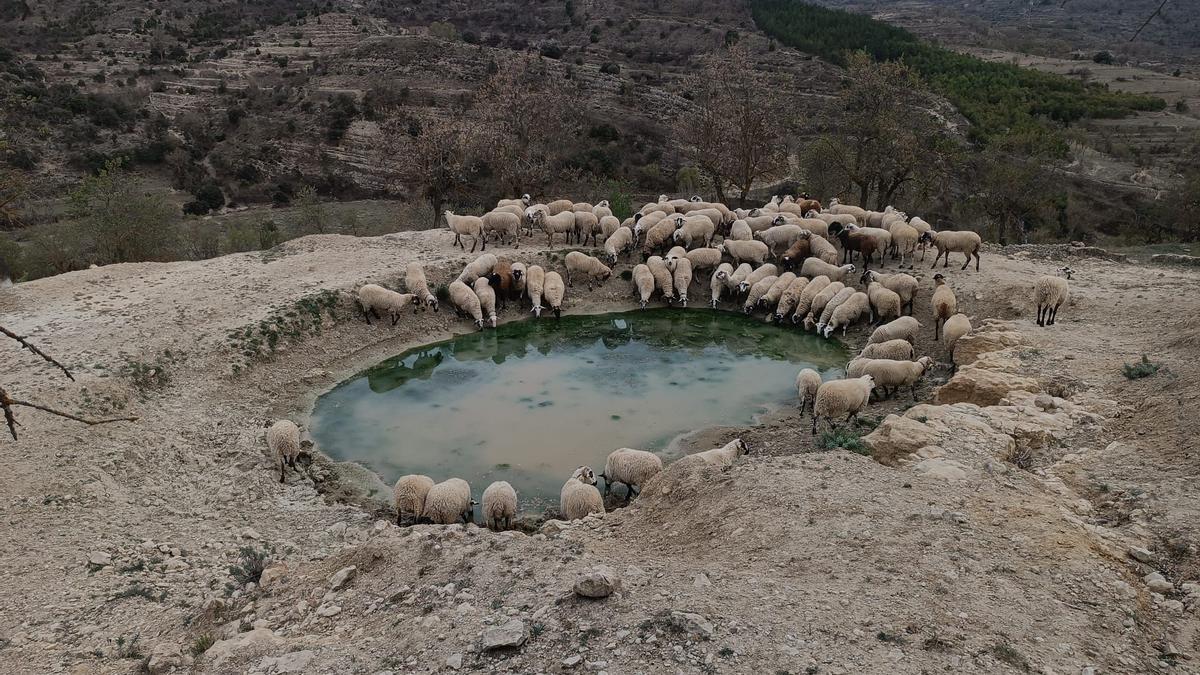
{"points": [[797, 253], [853, 241]]}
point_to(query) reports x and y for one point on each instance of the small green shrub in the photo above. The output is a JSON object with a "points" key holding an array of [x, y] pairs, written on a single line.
{"points": [[202, 644], [844, 437], [442, 292], [1008, 654], [1144, 368], [251, 563]]}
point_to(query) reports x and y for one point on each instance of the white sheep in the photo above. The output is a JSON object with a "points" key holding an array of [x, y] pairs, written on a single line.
{"points": [[954, 328], [562, 223], [807, 383], [610, 224], [739, 275], [682, 278], [781, 236], [504, 224], [818, 304], [717, 283], [903, 328], [821, 249], [466, 302], [662, 277], [522, 202], [619, 242], [554, 291], [694, 230], [535, 284], [722, 457], [498, 505], [487, 299], [896, 350], [895, 374], [757, 275], [704, 258], [841, 397], [673, 256], [901, 284], [810, 292], [837, 208], [945, 304], [447, 502], [740, 231], [283, 440], [643, 282], [660, 235], [815, 267], [757, 291], [1049, 293], [586, 225], [904, 242], [790, 297], [583, 264], [753, 251], [602, 209], [415, 283], [579, 496], [885, 303], [847, 313], [827, 311], [531, 215], [962, 241], [631, 467], [408, 496], [560, 206], [582, 207], [373, 299], [770, 299], [469, 226], [479, 267]]}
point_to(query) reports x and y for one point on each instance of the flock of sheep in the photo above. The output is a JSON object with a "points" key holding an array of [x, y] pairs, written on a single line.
{"points": [[809, 281]]}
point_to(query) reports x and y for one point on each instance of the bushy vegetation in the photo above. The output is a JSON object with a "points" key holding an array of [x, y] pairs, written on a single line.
{"points": [[1143, 368], [1002, 101]]}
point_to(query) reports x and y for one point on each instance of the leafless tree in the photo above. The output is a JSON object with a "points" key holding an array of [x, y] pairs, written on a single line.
{"points": [[735, 129], [7, 402], [437, 154]]}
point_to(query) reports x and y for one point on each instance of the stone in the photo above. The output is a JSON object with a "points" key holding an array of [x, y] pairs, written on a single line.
{"points": [[164, 657], [897, 437], [511, 633], [600, 582], [328, 610], [692, 623], [572, 661], [292, 662], [454, 661], [1140, 554], [1045, 402], [272, 574], [944, 469], [701, 581], [342, 577], [982, 386], [554, 527], [258, 638], [250, 533], [99, 558], [981, 341], [1156, 582]]}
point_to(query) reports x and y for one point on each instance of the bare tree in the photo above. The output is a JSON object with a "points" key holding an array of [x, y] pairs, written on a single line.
{"points": [[436, 154], [529, 125], [7, 402], [1011, 191], [735, 130]]}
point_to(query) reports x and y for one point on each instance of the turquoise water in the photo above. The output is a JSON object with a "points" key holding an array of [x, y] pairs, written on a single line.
{"points": [[532, 400]]}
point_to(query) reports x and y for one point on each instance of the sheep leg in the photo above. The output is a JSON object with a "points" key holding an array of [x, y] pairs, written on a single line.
{"points": [[458, 240], [967, 262], [814, 424], [1039, 316], [937, 329], [483, 238], [366, 314], [1054, 314], [976, 260], [282, 468]]}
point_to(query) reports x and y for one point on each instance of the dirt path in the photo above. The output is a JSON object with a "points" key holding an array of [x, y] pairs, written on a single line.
{"points": [[120, 539]]}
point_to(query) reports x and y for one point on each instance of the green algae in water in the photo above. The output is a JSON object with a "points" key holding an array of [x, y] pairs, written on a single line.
{"points": [[532, 400]]}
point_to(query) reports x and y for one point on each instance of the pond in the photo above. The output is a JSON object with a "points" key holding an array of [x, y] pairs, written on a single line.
{"points": [[532, 400]]}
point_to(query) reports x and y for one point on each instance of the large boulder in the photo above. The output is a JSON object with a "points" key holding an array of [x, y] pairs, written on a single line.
{"points": [[983, 386], [897, 437]]}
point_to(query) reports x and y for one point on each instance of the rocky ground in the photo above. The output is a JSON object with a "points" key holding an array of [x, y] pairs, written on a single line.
{"points": [[1037, 513]]}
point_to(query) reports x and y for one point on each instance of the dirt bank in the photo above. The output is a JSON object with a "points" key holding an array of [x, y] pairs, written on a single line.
{"points": [[120, 539]]}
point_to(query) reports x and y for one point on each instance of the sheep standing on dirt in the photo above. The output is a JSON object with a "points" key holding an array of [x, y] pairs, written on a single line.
{"points": [[752, 251], [756, 276], [738, 277], [582, 263], [807, 383], [954, 328], [896, 350], [448, 502], [838, 298], [757, 291], [562, 223], [535, 283], [586, 225], [579, 495], [479, 267], [962, 241], [631, 467], [885, 303], [660, 235], [740, 231], [618, 243], [770, 299], [790, 298], [815, 267], [415, 283], [719, 282], [896, 374], [682, 279], [704, 259], [499, 505], [847, 313], [1049, 293], [468, 226], [522, 202], [819, 301], [409, 496], [487, 299], [503, 224], [559, 206], [662, 277], [283, 440], [722, 457], [643, 282], [944, 304], [903, 285], [904, 328], [697, 230], [503, 282], [810, 292], [374, 299], [466, 302], [841, 397], [554, 291]]}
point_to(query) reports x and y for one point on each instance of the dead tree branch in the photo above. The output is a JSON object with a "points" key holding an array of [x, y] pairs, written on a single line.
{"points": [[1148, 20], [6, 403], [37, 351]]}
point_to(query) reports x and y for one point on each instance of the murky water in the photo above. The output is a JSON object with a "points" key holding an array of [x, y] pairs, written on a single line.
{"points": [[532, 400]]}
